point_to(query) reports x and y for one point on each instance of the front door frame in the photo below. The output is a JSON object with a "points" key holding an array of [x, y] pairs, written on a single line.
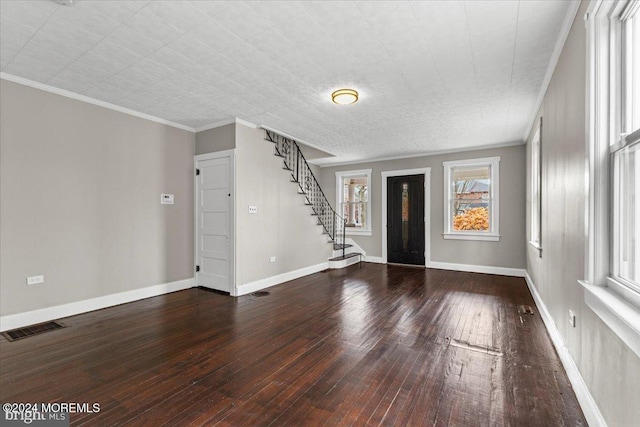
{"points": [[427, 208], [231, 154]]}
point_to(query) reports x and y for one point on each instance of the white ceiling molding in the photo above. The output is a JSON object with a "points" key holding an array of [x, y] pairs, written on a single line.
{"points": [[431, 74], [412, 156], [246, 123], [89, 100], [216, 125], [227, 122], [555, 56]]}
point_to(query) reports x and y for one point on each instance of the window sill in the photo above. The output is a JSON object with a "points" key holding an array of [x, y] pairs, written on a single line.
{"points": [[472, 236], [619, 314], [537, 247], [358, 232]]}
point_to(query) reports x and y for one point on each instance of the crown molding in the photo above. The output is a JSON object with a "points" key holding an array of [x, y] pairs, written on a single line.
{"points": [[226, 122], [246, 123], [215, 125], [89, 100], [424, 154], [570, 16]]}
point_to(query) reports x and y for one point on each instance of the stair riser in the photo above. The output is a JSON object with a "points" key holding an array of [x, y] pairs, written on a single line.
{"points": [[344, 263]]}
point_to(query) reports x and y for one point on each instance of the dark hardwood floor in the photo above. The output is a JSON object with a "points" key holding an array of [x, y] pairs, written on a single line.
{"points": [[368, 345]]}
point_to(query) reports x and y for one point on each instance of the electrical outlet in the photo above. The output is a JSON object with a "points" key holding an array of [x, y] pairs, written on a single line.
{"points": [[253, 209], [272, 259], [166, 199], [572, 319], [34, 280]]}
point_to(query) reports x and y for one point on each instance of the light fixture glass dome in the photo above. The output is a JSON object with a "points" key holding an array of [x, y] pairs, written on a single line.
{"points": [[344, 96]]}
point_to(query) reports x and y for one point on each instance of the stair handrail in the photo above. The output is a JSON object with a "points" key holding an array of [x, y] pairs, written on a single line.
{"points": [[336, 219]]}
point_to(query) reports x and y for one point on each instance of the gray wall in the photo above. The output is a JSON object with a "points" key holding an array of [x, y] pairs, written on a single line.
{"points": [[216, 139], [80, 193], [508, 252], [609, 368], [283, 226]]}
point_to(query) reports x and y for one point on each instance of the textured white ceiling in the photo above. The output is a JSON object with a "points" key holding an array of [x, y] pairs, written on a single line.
{"points": [[433, 75]]}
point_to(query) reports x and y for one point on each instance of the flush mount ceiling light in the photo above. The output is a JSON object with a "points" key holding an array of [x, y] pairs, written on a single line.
{"points": [[344, 96]]}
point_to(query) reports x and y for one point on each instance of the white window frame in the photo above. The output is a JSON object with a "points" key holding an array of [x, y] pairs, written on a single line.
{"points": [[617, 305], [494, 191], [535, 215], [340, 176]]}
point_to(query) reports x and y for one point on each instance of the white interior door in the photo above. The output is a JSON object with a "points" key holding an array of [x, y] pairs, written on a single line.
{"points": [[214, 223]]}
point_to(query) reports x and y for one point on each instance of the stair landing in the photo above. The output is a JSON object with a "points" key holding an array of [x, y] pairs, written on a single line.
{"points": [[345, 261]]}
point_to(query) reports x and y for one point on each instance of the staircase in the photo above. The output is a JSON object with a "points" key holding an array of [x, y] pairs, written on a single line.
{"points": [[333, 225]]}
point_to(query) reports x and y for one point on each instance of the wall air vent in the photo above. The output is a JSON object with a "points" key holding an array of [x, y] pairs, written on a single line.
{"points": [[260, 293], [29, 331]]}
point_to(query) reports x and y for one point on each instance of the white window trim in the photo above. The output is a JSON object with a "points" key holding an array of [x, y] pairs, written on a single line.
{"points": [[346, 174], [613, 303], [535, 229], [493, 234]]}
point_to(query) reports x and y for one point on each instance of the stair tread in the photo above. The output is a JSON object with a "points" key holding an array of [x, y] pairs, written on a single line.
{"points": [[347, 256], [338, 246]]}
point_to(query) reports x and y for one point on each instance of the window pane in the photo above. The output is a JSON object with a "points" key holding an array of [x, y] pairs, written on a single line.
{"points": [[355, 214], [471, 198], [535, 189], [353, 200], [627, 214], [354, 189], [634, 27], [405, 216]]}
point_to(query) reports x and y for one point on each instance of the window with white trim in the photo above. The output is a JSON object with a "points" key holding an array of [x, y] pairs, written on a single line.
{"points": [[353, 201], [536, 175], [625, 158], [613, 273], [471, 199]]}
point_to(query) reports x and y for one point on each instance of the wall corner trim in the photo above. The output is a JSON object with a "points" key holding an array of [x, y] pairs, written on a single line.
{"points": [[585, 399], [278, 279], [470, 268], [19, 320]]}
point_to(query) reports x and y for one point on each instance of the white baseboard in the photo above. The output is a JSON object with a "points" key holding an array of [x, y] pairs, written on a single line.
{"points": [[374, 259], [280, 278], [19, 320], [470, 268], [588, 405]]}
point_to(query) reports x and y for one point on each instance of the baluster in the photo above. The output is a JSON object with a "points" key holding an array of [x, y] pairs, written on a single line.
{"points": [[302, 174], [334, 223], [290, 155]]}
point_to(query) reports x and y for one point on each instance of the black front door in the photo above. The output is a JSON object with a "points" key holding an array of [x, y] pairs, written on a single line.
{"points": [[405, 219]]}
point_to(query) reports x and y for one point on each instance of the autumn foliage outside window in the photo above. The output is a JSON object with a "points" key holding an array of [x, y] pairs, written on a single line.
{"points": [[471, 199]]}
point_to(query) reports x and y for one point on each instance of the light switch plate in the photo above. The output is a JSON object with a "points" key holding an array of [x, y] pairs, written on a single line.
{"points": [[34, 280], [166, 199]]}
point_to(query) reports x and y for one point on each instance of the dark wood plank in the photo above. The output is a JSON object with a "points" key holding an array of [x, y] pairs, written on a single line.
{"points": [[367, 345]]}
